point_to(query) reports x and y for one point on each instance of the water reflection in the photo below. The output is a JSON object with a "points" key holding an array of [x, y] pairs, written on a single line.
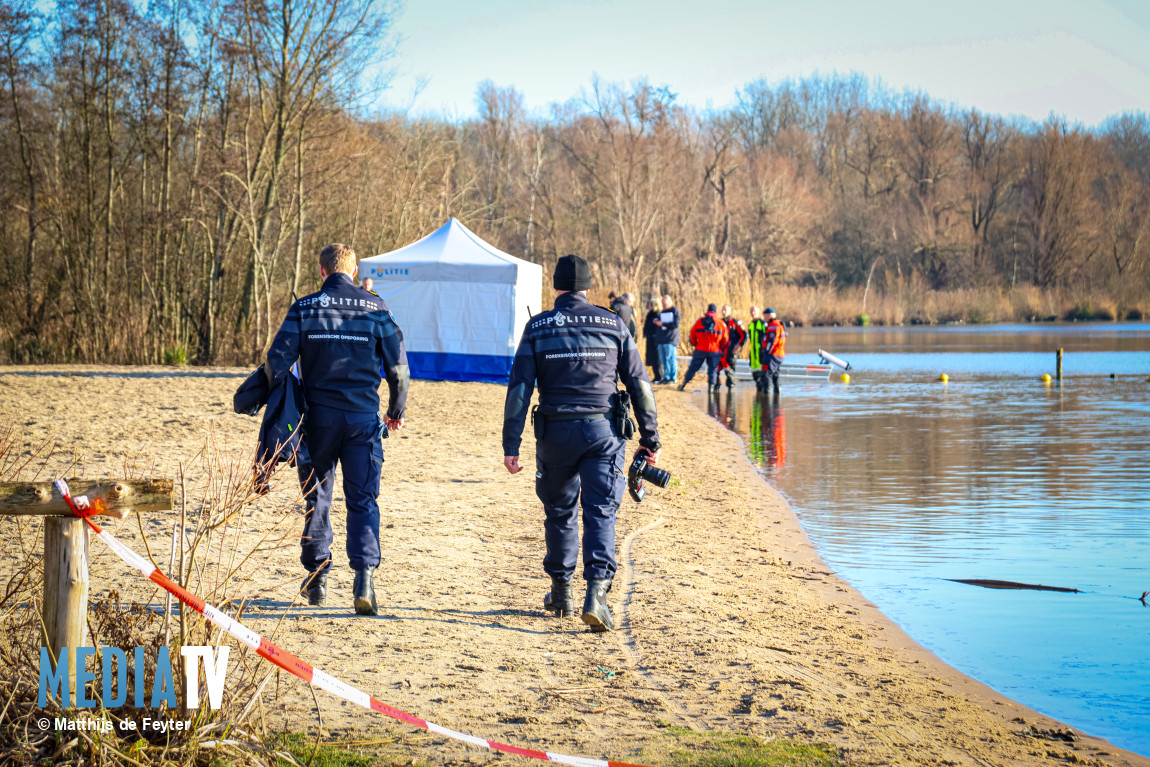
{"points": [[721, 407], [902, 482], [767, 447]]}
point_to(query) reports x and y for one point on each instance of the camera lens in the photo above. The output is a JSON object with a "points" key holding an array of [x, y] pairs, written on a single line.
{"points": [[656, 476]]}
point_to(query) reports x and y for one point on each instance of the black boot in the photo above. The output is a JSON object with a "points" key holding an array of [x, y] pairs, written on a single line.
{"points": [[595, 612], [560, 599], [314, 587], [364, 593]]}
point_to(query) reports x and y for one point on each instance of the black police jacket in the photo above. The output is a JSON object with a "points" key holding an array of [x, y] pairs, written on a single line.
{"points": [[252, 394], [575, 353], [346, 340], [281, 433]]}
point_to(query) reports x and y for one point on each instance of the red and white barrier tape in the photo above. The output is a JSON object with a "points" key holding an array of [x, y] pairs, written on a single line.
{"points": [[85, 509]]}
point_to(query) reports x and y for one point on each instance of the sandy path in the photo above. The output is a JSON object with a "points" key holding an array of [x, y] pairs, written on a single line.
{"points": [[728, 619]]}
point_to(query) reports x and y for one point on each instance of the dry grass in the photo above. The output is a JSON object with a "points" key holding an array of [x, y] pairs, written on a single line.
{"points": [[211, 554], [894, 302]]}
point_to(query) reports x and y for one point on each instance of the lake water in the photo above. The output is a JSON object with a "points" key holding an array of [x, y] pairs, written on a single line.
{"points": [[903, 482]]}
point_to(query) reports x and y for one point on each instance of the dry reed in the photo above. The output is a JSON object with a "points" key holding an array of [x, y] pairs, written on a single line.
{"points": [[893, 302]]}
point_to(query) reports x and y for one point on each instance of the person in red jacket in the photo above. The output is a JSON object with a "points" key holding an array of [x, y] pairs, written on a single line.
{"points": [[709, 337], [773, 350], [736, 337]]}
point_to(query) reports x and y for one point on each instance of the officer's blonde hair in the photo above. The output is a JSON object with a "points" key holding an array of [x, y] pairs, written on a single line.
{"points": [[338, 257]]}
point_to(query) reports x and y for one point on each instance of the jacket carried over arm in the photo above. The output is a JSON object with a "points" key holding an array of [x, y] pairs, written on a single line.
{"points": [[346, 341], [575, 353], [281, 438]]}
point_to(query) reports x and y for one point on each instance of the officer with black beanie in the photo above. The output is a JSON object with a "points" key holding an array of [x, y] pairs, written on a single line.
{"points": [[574, 354]]}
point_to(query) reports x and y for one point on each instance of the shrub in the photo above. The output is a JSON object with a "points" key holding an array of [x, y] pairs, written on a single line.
{"points": [[177, 355]]}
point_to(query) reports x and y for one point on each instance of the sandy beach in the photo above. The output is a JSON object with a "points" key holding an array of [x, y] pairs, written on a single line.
{"points": [[728, 619]]}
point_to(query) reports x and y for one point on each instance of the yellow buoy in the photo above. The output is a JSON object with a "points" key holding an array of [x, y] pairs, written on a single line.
{"points": [[845, 378], [944, 378], [1046, 378]]}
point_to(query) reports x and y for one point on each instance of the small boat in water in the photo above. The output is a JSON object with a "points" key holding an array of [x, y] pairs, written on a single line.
{"points": [[824, 368]]}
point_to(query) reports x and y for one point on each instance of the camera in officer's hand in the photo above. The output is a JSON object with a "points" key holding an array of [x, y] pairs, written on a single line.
{"points": [[640, 471]]}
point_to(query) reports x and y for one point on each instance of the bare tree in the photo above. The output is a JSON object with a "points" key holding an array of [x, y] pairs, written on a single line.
{"points": [[20, 26], [778, 219], [632, 149], [298, 57], [1059, 212], [1125, 204], [989, 170], [927, 155]]}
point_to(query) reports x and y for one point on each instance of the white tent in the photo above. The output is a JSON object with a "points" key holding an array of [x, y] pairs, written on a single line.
{"points": [[461, 303]]}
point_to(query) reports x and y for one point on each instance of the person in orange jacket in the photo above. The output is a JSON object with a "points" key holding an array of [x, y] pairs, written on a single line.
{"points": [[736, 337], [773, 350], [709, 337]]}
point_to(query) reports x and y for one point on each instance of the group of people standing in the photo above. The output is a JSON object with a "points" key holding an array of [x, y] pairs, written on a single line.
{"points": [[661, 330], [717, 338]]}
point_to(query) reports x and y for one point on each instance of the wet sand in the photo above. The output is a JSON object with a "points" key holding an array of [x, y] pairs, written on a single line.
{"points": [[729, 621]]}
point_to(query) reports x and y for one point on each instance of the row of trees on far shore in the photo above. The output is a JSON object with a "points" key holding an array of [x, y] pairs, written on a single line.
{"points": [[167, 178]]}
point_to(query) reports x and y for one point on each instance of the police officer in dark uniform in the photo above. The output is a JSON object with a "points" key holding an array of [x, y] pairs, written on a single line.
{"points": [[576, 352], [345, 340]]}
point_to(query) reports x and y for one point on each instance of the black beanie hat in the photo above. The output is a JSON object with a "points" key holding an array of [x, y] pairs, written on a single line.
{"points": [[572, 273], [712, 308]]}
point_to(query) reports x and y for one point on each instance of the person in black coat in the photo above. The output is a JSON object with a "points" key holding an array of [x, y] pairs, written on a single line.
{"points": [[668, 339], [650, 329], [624, 306]]}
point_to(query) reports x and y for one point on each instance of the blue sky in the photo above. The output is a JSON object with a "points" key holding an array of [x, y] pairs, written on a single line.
{"points": [[1080, 59]]}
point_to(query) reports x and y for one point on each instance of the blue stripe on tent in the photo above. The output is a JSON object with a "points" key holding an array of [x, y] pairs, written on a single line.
{"points": [[441, 366]]}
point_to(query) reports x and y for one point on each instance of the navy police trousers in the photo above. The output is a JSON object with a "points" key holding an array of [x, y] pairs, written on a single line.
{"points": [[697, 360], [352, 440], [580, 463]]}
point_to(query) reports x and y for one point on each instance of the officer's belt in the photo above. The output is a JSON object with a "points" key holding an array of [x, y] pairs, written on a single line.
{"points": [[577, 417]]}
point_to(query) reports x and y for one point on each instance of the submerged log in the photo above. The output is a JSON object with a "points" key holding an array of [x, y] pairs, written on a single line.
{"points": [[988, 584], [121, 496]]}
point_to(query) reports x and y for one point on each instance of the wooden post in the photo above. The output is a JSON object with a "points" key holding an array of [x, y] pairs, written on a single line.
{"points": [[65, 605], [65, 608], [1058, 367]]}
